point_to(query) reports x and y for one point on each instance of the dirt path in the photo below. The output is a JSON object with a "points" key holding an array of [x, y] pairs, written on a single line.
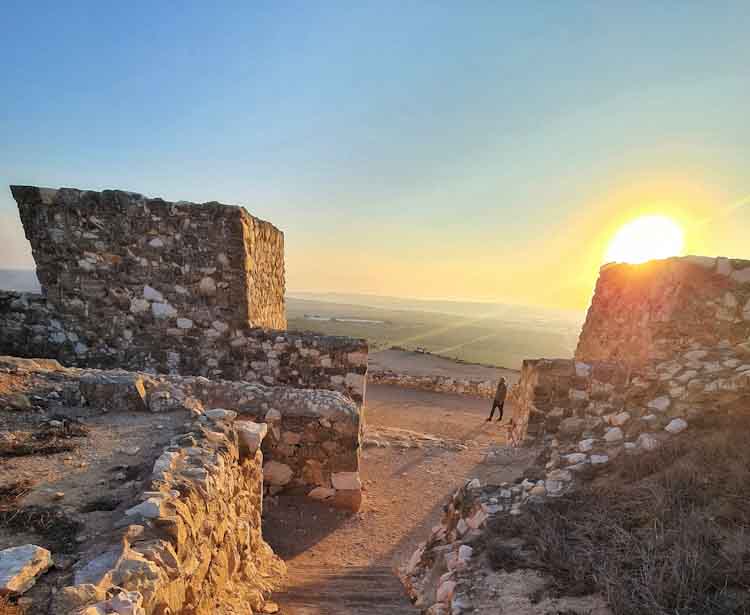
{"points": [[344, 563]]}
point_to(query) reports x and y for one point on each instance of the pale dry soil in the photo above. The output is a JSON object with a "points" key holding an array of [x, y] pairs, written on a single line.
{"points": [[345, 563], [69, 490]]}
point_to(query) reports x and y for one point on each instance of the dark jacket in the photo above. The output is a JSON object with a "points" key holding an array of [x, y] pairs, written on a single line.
{"points": [[500, 393]]}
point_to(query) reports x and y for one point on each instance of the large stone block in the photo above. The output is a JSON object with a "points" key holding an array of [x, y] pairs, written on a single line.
{"points": [[20, 567]]}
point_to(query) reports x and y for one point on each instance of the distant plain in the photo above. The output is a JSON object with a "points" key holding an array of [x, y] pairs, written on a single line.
{"points": [[485, 333]]}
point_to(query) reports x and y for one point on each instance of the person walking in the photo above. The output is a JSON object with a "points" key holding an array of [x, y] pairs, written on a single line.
{"points": [[499, 400]]}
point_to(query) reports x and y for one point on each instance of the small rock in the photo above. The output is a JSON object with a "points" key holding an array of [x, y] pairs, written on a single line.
{"points": [[574, 458], [613, 434], [220, 414], [321, 493], [251, 435], [620, 419], [207, 287], [151, 294], [660, 404], [277, 474], [676, 426], [150, 509], [647, 442], [18, 401], [539, 489]]}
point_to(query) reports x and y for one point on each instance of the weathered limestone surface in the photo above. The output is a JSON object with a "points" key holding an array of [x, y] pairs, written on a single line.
{"points": [[311, 438], [648, 312], [112, 254], [144, 284], [608, 406], [193, 545], [30, 326], [20, 566]]}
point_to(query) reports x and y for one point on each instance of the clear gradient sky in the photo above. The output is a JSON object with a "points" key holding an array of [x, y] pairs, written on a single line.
{"points": [[473, 150]]}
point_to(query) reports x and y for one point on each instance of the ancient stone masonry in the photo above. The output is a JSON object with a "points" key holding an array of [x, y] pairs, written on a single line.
{"points": [[665, 344], [439, 384], [311, 438], [181, 288], [185, 536], [653, 311], [589, 413], [31, 327], [107, 255], [194, 542]]}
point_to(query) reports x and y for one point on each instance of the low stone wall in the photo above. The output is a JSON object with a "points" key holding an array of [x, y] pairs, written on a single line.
{"points": [[582, 416], [194, 543], [439, 384], [437, 576], [654, 311], [311, 438], [31, 326], [552, 390], [588, 413]]}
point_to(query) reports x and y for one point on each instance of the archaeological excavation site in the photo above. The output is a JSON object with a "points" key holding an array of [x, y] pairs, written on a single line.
{"points": [[168, 447]]}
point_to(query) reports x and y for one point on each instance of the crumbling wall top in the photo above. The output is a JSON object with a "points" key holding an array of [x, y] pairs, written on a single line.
{"points": [[652, 311]]}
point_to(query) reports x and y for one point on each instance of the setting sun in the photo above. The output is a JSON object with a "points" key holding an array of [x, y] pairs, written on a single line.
{"points": [[645, 239]]}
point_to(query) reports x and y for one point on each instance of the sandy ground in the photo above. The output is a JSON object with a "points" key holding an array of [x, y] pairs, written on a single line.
{"points": [[405, 492], [420, 364]]}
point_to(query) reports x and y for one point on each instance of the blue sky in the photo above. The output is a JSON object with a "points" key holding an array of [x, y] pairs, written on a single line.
{"points": [[478, 150]]}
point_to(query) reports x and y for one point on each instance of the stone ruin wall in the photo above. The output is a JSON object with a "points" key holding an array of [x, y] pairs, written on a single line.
{"points": [[654, 311], [30, 326], [310, 437], [193, 543], [665, 345], [439, 384], [137, 283], [665, 340], [194, 539], [107, 255]]}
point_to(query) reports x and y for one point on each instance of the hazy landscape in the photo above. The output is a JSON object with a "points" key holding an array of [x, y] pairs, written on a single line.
{"points": [[488, 333]]}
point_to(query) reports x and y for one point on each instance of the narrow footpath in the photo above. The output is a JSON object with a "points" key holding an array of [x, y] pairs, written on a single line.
{"points": [[422, 447]]}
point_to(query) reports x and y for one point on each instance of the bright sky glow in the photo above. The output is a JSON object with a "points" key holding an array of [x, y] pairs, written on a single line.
{"points": [[645, 239]]}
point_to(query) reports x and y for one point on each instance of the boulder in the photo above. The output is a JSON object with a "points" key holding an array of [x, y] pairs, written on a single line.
{"points": [[21, 566], [114, 391]]}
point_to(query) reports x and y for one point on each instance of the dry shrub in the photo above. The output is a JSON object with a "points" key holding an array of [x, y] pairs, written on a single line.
{"points": [[665, 533], [56, 529], [11, 493]]}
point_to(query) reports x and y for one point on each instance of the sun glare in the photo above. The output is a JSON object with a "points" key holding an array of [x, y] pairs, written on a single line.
{"points": [[645, 239]]}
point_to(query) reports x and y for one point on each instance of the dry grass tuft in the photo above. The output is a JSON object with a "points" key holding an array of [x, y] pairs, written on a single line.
{"points": [[52, 524], [666, 533]]}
